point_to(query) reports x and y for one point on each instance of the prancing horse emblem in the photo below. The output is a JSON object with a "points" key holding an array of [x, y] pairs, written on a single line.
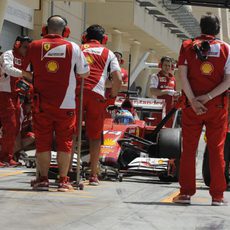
{"points": [[46, 46]]}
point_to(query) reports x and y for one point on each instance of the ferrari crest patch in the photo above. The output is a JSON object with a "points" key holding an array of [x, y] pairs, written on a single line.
{"points": [[46, 46]]}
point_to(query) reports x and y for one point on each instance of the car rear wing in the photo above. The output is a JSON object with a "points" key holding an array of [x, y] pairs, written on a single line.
{"points": [[144, 104]]}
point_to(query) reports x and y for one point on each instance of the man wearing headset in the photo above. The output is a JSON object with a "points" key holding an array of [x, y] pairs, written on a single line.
{"points": [[100, 60], [204, 70], [55, 62], [11, 65], [109, 83], [163, 85], [124, 73]]}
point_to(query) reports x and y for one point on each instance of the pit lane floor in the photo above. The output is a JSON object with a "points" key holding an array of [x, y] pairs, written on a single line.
{"points": [[136, 203]]}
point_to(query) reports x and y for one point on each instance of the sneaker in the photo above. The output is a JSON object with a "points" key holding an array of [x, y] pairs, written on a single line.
{"points": [[2, 164], [13, 163], [40, 184], [182, 199], [93, 180], [219, 202], [64, 185]]}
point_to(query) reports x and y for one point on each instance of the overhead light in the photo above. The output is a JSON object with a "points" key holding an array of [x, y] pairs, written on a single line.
{"points": [[117, 31], [162, 19], [145, 3], [136, 42], [155, 12], [175, 31], [170, 25], [182, 36]]}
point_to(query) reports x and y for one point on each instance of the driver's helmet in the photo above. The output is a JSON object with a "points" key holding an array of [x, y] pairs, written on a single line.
{"points": [[124, 117]]}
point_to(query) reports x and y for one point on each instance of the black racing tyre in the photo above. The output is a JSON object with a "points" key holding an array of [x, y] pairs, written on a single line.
{"points": [[205, 166], [169, 146], [169, 143]]}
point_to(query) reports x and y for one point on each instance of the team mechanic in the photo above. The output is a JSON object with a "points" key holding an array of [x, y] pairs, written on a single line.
{"points": [[163, 85], [11, 67], [55, 63], [100, 59], [109, 82], [204, 69]]}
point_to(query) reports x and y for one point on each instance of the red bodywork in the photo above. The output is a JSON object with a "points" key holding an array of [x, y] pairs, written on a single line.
{"points": [[110, 149]]}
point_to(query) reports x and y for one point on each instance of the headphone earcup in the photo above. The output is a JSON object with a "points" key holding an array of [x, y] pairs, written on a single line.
{"points": [[66, 32], [160, 65], [83, 38], [44, 31], [122, 61], [105, 39]]}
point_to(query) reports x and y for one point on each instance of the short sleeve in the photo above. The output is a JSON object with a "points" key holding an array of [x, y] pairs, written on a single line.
{"points": [[182, 60], [227, 64], [154, 81], [80, 60], [114, 65]]}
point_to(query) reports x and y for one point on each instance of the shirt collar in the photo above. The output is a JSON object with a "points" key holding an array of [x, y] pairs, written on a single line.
{"points": [[52, 36], [206, 36], [162, 74], [93, 41]]}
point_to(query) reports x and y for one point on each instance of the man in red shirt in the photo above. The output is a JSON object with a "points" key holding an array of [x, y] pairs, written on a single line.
{"points": [[100, 60], [163, 85], [204, 70], [10, 71], [124, 72], [109, 82], [55, 62]]}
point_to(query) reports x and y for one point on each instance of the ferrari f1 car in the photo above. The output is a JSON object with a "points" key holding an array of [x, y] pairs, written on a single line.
{"points": [[132, 146]]}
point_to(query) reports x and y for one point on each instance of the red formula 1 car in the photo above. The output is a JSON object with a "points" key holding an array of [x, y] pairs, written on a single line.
{"points": [[132, 146]]}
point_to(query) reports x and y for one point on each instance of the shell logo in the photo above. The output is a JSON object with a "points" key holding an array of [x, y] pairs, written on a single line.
{"points": [[109, 142], [52, 66], [89, 60], [207, 68]]}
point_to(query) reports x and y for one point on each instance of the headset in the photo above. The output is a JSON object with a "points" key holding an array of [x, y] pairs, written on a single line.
{"points": [[202, 48], [166, 58], [65, 32], [85, 39], [122, 60], [20, 39]]}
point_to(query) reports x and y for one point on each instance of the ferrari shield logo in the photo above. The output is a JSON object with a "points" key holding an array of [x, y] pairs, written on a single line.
{"points": [[46, 46]]}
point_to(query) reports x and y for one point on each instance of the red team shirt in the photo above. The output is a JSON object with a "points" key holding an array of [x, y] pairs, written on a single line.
{"points": [[124, 75], [101, 61], [207, 74], [159, 81], [162, 82], [47, 56]]}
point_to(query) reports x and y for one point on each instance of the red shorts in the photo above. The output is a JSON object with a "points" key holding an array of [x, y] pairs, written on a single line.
{"points": [[94, 112], [50, 122]]}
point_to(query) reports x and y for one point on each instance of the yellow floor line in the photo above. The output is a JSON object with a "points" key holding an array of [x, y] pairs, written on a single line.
{"points": [[169, 198], [11, 174]]}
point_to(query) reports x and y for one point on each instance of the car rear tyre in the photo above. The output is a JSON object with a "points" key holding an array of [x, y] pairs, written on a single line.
{"points": [[205, 166], [169, 146]]}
